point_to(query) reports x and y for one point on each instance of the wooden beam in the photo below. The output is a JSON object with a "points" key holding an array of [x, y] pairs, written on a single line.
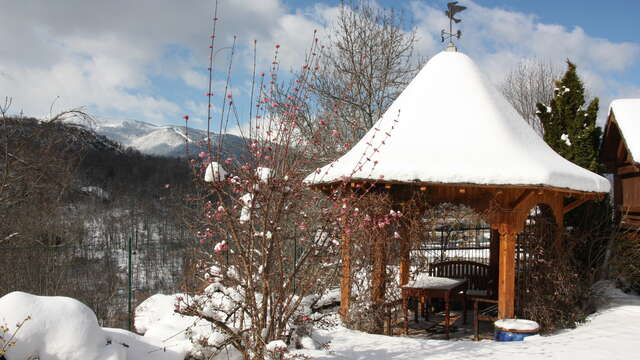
{"points": [[436, 186], [572, 205], [506, 277], [345, 280], [522, 198]]}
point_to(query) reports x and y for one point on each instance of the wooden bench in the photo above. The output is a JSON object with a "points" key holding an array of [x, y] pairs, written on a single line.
{"points": [[477, 275]]}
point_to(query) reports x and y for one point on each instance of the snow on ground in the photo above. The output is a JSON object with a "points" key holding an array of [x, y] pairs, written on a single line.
{"points": [[611, 333], [65, 329]]}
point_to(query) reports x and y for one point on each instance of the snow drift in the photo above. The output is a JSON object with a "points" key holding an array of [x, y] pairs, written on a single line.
{"points": [[65, 329]]}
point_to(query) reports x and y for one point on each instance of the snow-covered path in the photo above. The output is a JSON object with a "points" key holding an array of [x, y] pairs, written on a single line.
{"points": [[611, 333]]}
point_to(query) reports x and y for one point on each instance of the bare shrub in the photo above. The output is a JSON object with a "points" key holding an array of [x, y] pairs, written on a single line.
{"points": [[625, 259], [556, 276]]}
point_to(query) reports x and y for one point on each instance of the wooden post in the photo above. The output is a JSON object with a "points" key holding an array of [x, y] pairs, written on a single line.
{"points": [[558, 235], [494, 260], [405, 259], [345, 281], [558, 211], [507, 278], [378, 284]]}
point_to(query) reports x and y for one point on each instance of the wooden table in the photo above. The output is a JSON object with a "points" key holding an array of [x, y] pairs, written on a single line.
{"points": [[434, 287]]}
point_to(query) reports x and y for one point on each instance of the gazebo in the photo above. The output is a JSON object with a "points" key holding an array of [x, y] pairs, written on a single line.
{"points": [[453, 136]]}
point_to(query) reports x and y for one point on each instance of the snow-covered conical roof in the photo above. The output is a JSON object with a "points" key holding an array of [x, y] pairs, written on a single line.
{"points": [[451, 126]]}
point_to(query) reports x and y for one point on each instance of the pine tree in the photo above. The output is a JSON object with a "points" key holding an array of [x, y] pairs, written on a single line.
{"points": [[570, 128]]}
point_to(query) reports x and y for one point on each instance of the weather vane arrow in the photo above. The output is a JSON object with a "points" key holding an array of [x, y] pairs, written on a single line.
{"points": [[452, 9]]}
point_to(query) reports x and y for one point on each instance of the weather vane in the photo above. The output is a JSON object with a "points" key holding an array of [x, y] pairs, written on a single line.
{"points": [[453, 9]]}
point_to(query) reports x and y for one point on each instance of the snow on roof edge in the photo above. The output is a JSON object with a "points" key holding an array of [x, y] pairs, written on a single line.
{"points": [[623, 116], [331, 182]]}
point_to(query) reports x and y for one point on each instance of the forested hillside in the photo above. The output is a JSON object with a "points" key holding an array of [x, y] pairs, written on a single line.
{"points": [[70, 202]]}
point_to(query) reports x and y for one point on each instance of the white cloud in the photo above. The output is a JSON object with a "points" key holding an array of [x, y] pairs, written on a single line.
{"points": [[498, 39], [107, 55]]}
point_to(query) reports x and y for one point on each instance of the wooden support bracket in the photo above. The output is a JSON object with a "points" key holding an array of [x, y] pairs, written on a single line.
{"points": [[522, 198], [572, 205]]}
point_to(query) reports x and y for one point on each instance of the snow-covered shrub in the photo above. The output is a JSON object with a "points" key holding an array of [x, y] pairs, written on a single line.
{"points": [[62, 328]]}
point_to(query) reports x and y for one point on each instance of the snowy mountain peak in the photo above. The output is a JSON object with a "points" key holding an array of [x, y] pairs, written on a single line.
{"points": [[163, 140]]}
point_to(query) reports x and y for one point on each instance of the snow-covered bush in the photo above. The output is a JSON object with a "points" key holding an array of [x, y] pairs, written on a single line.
{"points": [[62, 328]]}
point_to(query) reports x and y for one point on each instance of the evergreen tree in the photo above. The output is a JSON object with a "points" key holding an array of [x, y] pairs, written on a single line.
{"points": [[570, 128]]}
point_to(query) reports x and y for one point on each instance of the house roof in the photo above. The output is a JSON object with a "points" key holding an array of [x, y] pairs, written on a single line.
{"points": [[451, 126], [627, 115]]}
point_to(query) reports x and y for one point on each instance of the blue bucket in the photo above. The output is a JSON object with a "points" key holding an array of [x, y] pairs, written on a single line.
{"points": [[514, 329]]}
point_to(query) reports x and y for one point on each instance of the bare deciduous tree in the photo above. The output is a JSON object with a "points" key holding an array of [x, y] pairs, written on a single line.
{"points": [[529, 83], [368, 61]]}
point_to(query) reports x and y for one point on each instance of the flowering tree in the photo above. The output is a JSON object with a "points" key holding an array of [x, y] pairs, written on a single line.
{"points": [[274, 243]]}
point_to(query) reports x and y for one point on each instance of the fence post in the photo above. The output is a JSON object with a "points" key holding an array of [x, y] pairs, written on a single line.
{"points": [[129, 286]]}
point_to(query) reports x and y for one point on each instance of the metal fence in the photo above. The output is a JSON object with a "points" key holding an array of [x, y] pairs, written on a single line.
{"points": [[453, 242], [111, 280]]}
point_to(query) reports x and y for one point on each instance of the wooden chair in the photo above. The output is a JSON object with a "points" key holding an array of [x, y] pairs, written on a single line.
{"points": [[488, 313]]}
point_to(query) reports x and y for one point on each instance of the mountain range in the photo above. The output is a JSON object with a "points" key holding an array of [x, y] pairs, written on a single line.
{"points": [[163, 140]]}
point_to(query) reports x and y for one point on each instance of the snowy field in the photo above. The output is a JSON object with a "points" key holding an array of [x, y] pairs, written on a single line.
{"points": [[62, 328]]}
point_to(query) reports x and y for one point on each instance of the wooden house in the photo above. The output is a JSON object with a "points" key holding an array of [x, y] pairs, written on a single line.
{"points": [[620, 153]]}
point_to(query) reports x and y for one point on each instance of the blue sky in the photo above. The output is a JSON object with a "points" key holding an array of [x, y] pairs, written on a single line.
{"points": [[146, 59]]}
